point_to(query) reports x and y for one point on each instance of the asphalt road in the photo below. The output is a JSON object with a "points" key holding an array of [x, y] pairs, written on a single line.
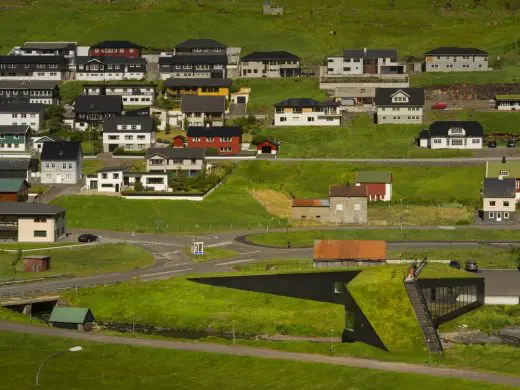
{"points": [[267, 354]]}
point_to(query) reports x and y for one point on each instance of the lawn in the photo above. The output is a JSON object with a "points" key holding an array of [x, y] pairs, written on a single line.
{"points": [[361, 139], [486, 257], [127, 367], [487, 318], [212, 254], [508, 74], [301, 239], [81, 261], [91, 166], [436, 270], [33, 245], [91, 148], [38, 188]]}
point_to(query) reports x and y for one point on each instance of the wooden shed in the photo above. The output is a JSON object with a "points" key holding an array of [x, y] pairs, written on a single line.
{"points": [[79, 318], [36, 263]]}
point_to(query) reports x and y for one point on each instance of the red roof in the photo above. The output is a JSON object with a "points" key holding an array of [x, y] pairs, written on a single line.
{"points": [[370, 250], [354, 191], [310, 203]]}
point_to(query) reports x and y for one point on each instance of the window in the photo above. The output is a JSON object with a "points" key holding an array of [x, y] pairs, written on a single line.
{"points": [[209, 139], [283, 119], [53, 166], [346, 69], [64, 166], [339, 207], [457, 142], [104, 176], [70, 166], [491, 215], [506, 203], [504, 173], [196, 139], [357, 207], [492, 203], [225, 139], [40, 219], [115, 175], [40, 233], [129, 137], [506, 215], [310, 119]]}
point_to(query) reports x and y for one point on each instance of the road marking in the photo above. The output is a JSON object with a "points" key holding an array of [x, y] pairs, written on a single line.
{"points": [[165, 272], [248, 253], [224, 243], [169, 253], [446, 227], [235, 262]]}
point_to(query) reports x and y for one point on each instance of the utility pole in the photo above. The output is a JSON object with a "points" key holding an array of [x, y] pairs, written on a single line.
{"points": [[233, 331], [331, 341], [401, 218]]}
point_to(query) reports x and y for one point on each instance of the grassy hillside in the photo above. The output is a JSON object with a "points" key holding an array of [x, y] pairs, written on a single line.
{"points": [[304, 29]]}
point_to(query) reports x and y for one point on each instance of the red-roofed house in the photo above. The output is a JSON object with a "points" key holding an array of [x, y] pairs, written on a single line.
{"points": [[378, 184], [268, 146], [337, 253]]}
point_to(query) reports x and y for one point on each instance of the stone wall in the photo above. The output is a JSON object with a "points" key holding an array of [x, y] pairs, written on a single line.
{"points": [[470, 91]]}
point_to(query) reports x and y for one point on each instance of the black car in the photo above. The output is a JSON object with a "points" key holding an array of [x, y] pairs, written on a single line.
{"points": [[511, 143], [88, 238], [454, 264], [492, 144], [471, 266]]}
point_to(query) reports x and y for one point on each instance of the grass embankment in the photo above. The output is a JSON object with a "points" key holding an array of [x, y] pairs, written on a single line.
{"points": [[80, 261], [486, 257], [508, 74], [435, 270], [34, 245], [108, 366], [38, 188], [306, 238], [488, 318], [211, 254], [492, 122]]}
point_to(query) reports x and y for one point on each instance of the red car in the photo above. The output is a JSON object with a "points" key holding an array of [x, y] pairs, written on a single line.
{"points": [[440, 106]]}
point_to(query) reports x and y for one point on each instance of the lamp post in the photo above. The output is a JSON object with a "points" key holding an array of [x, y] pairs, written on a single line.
{"points": [[73, 349], [234, 339], [287, 236], [331, 341]]}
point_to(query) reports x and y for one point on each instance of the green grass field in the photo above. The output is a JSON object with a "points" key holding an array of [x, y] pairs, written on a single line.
{"points": [[124, 367], [33, 245], [508, 74], [493, 122], [488, 318], [82, 261]]}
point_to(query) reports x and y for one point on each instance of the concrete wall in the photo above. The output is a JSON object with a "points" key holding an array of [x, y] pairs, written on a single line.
{"points": [[348, 210], [320, 214], [27, 226]]}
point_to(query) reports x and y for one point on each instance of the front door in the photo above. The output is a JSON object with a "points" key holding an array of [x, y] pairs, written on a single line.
{"points": [[59, 179], [93, 185], [499, 217], [117, 187]]}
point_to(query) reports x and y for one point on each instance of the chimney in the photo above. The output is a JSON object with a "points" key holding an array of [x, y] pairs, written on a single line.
{"points": [[365, 50]]}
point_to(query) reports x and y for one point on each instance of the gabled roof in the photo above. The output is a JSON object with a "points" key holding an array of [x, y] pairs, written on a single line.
{"points": [[21, 107], [370, 250], [370, 53], [441, 128], [20, 208], [215, 131], [69, 315], [348, 191], [194, 103], [310, 203], [305, 102], [499, 188], [450, 50], [189, 59], [115, 44], [60, 60], [27, 84], [177, 153], [374, 177], [12, 184], [497, 168], [200, 43], [270, 56], [60, 151], [189, 82], [46, 138], [384, 96], [99, 104], [146, 122], [14, 129], [50, 45]]}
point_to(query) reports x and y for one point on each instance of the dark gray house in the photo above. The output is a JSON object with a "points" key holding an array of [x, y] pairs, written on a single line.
{"points": [[32, 67], [110, 68], [499, 200], [61, 162], [187, 161], [200, 46], [21, 91], [193, 66], [203, 110], [90, 111]]}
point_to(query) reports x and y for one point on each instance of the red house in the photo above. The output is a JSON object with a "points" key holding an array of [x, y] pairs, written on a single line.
{"points": [[115, 49], [267, 146], [378, 184], [179, 141], [227, 140]]}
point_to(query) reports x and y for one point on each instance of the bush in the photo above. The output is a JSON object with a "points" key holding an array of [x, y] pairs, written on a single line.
{"points": [[120, 151], [463, 222], [212, 151]]}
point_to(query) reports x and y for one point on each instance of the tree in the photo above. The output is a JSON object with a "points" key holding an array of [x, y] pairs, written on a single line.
{"points": [[16, 260], [138, 186]]}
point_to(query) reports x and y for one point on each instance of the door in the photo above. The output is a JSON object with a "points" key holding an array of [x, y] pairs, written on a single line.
{"points": [[241, 99], [112, 147], [117, 187], [266, 149], [59, 179], [499, 217], [94, 185]]}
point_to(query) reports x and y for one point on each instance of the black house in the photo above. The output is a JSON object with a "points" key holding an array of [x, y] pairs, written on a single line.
{"points": [[90, 111], [193, 65], [21, 91], [32, 67]]}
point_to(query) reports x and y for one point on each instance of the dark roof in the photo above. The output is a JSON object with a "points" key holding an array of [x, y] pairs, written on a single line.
{"points": [[304, 102], [193, 59], [61, 150], [110, 60], [14, 164], [200, 44], [354, 191], [27, 84], [224, 131], [270, 56], [146, 122], [14, 129], [20, 208], [499, 188], [189, 82], [384, 96], [102, 103], [449, 50], [49, 45], [441, 128], [177, 153], [194, 103], [115, 44], [21, 107], [32, 60], [370, 53]]}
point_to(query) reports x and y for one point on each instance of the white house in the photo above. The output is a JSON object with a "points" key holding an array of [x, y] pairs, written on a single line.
{"points": [[365, 61], [132, 94], [399, 105], [507, 102], [306, 112], [452, 135], [128, 132], [118, 179], [110, 68], [456, 59], [24, 114]]}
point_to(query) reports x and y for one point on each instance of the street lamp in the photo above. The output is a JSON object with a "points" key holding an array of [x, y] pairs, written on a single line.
{"points": [[73, 349]]}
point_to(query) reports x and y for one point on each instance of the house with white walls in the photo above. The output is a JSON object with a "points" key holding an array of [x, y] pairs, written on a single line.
{"points": [[306, 112]]}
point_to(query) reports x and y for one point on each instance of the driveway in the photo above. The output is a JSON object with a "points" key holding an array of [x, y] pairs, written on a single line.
{"points": [[57, 190]]}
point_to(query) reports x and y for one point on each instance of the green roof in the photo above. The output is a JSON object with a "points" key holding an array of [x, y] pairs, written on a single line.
{"points": [[507, 97], [70, 315], [374, 177], [10, 184], [497, 168]]}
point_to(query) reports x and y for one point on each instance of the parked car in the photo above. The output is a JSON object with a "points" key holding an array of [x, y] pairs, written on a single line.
{"points": [[454, 264], [492, 144], [88, 238], [511, 143], [440, 106], [471, 266]]}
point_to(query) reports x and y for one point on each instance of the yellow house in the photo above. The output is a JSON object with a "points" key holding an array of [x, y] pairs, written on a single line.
{"points": [[201, 87]]}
